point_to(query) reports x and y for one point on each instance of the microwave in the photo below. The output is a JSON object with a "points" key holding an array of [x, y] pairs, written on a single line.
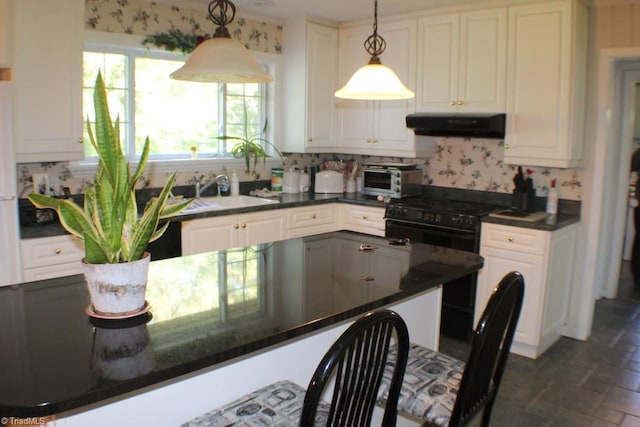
{"points": [[391, 182]]}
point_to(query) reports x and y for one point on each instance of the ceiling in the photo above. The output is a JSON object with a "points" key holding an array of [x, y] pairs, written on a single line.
{"points": [[333, 10]]}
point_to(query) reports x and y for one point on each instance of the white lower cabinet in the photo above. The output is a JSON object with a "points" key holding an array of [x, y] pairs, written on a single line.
{"points": [[229, 231], [49, 257], [310, 220], [363, 219], [545, 259]]}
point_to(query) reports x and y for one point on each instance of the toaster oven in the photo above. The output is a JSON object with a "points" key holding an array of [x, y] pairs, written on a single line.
{"points": [[391, 182]]}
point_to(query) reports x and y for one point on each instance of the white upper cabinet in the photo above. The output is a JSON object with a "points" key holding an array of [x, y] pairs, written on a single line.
{"points": [[310, 71], [6, 27], [546, 84], [462, 61], [47, 75], [379, 127]]}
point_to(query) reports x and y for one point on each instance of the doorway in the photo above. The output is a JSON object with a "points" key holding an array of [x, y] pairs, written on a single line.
{"points": [[605, 198]]}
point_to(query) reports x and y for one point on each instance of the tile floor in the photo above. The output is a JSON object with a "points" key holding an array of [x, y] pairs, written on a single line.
{"points": [[574, 383]]}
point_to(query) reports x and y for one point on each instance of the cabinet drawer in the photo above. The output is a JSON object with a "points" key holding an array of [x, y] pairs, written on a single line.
{"points": [[310, 216], [50, 251], [514, 238], [364, 219]]}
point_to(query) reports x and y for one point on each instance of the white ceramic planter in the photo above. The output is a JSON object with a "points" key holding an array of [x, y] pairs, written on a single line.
{"points": [[117, 289]]}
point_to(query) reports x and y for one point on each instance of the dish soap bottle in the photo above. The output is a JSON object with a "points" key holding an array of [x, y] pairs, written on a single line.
{"points": [[552, 199], [235, 184]]}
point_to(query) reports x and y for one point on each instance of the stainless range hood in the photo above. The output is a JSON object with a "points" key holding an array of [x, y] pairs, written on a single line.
{"points": [[488, 125]]}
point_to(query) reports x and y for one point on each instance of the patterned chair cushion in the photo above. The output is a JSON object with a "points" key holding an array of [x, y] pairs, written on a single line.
{"points": [[278, 404], [430, 385]]}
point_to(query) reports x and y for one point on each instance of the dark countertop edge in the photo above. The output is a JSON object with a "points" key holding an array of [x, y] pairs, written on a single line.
{"points": [[560, 221], [121, 389], [307, 199]]}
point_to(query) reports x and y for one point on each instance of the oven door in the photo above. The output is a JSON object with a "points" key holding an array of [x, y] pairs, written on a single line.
{"points": [[458, 296]]}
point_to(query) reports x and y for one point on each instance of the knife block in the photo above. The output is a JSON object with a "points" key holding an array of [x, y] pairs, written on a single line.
{"points": [[523, 201]]}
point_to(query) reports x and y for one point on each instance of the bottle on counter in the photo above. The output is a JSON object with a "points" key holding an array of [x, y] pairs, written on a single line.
{"points": [[552, 199], [235, 184]]}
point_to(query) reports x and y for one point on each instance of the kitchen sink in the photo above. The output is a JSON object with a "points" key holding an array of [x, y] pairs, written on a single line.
{"points": [[206, 204]]}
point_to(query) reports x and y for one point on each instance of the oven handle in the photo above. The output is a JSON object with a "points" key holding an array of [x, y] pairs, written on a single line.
{"points": [[431, 229]]}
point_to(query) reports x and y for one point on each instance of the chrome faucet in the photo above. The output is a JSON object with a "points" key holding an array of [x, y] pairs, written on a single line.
{"points": [[223, 179]]}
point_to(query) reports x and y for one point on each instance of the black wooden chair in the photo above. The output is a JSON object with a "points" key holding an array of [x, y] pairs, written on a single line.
{"points": [[442, 391], [356, 361]]}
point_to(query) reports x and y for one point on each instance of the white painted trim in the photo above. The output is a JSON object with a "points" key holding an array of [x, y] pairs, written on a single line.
{"points": [[593, 257]]}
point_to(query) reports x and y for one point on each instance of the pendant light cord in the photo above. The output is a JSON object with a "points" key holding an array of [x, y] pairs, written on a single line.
{"points": [[220, 16], [375, 44]]}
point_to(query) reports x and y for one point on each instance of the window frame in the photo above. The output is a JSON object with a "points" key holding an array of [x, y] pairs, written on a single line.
{"points": [[124, 44]]}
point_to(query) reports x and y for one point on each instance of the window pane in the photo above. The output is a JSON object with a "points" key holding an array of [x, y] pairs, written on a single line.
{"points": [[176, 115]]}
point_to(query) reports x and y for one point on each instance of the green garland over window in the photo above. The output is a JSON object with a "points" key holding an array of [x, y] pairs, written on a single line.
{"points": [[174, 40]]}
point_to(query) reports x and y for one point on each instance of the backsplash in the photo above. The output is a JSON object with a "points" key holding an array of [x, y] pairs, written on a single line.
{"points": [[474, 164]]}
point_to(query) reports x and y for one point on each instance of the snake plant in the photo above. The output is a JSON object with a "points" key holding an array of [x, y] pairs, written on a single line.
{"points": [[109, 223]]}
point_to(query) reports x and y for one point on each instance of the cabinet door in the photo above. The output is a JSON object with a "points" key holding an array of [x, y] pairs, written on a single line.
{"points": [[377, 127], [209, 234], [261, 227], [482, 61], [462, 61], [354, 116], [497, 263], [437, 88], [322, 81], [48, 80], [546, 84]]}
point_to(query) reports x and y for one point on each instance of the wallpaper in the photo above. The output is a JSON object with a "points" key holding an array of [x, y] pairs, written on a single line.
{"points": [[147, 18]]}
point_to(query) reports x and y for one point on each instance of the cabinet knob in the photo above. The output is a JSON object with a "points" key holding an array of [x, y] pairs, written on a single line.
{"points": [[364, 217], [309, 139], [313, 216], [244, 225], [58, 251], [236, 226], [510, 239], [452, 103], [80, 140], [459, 102], [507, 146]]}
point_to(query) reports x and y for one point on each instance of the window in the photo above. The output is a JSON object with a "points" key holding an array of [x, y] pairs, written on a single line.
{"points": [[181, 119]]}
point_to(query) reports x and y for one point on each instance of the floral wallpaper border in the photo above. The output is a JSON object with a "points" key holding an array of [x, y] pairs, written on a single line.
{"points": [[146, 18]]}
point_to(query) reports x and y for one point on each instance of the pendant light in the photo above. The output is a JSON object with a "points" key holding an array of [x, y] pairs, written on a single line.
{"points": [[221, 59], [374, 80]]}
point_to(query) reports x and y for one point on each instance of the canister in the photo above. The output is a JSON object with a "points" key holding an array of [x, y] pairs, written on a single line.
{"points": [[291, 181], [276, 179]]}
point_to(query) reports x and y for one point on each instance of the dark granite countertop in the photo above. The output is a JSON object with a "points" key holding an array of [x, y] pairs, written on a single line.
{"points": [[206, 309], [548, 223]]}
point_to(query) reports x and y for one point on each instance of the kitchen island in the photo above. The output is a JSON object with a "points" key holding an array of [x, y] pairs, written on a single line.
{"points": [[219, 325]]}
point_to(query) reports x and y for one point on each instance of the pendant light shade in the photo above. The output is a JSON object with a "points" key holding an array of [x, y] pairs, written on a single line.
{"points": [[374, 80], [221, 59]]}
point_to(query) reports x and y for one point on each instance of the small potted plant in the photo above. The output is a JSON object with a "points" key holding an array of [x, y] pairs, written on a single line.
{"points": [[250, 147], [115, 236]]}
